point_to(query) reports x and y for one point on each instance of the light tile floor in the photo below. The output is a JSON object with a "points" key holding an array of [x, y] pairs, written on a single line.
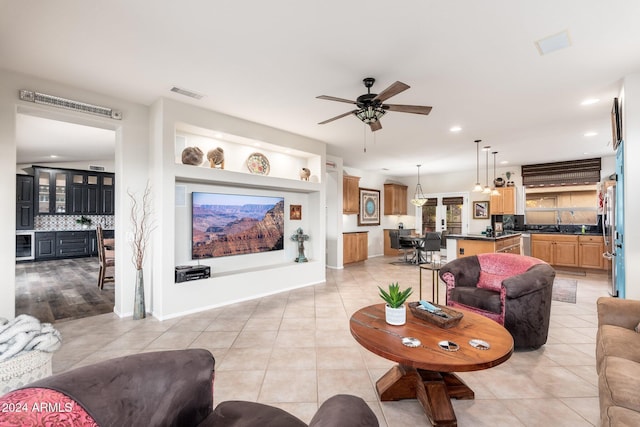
{"points": [[294, 350]]}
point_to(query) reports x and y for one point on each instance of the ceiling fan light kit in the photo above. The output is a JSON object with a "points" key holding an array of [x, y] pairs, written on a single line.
{"points": [[419, 199], [371, 106]]}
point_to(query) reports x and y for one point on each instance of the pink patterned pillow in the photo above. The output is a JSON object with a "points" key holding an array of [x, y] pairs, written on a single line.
{"points": [[492, 282], [42, 407]]}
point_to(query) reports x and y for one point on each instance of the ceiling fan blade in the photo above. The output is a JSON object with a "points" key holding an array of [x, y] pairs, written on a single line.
{"points": [[375, 125], [338, 117], [392, 90], [415, 109], [333, 98]]}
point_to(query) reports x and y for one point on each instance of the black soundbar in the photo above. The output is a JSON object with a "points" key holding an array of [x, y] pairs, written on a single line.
{"points": [[185, 273]]}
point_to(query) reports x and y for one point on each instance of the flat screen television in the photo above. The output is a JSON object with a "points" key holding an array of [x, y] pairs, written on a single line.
{"points": [[616, 124], [235, 224]]}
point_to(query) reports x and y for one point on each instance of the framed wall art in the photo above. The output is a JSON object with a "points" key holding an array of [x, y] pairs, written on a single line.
{"points": [[295, 212], [481, 210], [369, 213]]}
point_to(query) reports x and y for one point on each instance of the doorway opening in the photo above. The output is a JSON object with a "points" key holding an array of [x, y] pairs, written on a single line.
{"points": [[63, 285]]}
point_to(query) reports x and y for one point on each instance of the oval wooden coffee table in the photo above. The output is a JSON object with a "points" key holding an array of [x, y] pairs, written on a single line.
{"points": [[425, 372]]}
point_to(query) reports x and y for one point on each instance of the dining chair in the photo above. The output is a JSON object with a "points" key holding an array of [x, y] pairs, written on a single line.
{"points": [[396, 243], [430, 243], [408, 245], [106, 258]]}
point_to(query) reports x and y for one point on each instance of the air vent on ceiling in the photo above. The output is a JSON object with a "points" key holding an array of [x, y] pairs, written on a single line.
{"points": [[56, 101], [186, 92], [554, 42], [96, 168]]}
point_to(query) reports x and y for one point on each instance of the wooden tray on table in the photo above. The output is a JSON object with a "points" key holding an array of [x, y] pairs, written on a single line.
{"points": [[452, 320]]}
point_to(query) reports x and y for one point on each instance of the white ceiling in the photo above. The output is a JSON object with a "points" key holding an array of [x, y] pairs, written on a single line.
{"points": [[474, 61]]}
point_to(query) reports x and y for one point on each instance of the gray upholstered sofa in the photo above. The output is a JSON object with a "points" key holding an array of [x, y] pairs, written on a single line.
{"points": [[165, 388], [618, 361]]}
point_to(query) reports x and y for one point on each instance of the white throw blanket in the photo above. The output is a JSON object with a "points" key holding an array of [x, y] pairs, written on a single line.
{"points": [[26, 333]]}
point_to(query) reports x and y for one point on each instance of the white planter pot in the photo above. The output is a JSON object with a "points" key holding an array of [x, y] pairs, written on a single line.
{"points": [[395, 316]]}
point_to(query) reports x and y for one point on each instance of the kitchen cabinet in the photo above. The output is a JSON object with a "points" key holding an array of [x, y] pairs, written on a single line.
{"points": [[559, 250], [468, 247], [107, 194], [591, 249], [45, 245], [72, 243], [505, 202], [350, 194], [395, 199], [84, 191], [73, 192], [24, 202], [355, 247], [51, 190]]}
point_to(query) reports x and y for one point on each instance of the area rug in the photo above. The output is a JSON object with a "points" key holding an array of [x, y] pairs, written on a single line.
{"points": [[564, 290]]}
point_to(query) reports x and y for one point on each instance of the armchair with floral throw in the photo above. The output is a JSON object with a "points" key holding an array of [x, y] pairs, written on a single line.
{"points": [[514, 290]]}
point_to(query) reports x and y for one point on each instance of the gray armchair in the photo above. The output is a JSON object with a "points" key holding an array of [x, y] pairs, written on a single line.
{"points": [[513, 290], [164, 388]]}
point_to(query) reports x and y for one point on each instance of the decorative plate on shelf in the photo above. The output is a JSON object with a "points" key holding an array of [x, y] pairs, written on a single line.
{"points": [[258, 164]]}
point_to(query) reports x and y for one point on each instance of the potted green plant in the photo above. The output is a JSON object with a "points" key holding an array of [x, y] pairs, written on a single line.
{"points": [[84, 221], [395, 310]]}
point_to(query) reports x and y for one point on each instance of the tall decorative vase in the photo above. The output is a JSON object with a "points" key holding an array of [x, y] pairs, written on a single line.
{"points": [[139, 311]]}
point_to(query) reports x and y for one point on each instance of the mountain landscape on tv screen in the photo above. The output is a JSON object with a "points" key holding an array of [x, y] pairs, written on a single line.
{"points": [[223, 230]]}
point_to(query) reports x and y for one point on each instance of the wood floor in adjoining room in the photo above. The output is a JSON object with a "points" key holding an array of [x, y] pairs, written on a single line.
{"points": [[58, 290]]}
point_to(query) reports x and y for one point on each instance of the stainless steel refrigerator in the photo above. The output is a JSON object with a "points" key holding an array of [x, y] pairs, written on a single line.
{"points": [[609, 234], [612, 231]]}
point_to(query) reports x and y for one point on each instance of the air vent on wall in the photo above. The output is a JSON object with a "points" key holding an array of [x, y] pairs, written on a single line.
{"points": [[186, 92], [96, 168], [56, 101]]}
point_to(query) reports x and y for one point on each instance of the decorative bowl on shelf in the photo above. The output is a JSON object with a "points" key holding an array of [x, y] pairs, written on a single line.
{"points": [[258, 164]]}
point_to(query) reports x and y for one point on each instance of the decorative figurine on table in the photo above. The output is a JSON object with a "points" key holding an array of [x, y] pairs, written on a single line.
{"points": [[300, 237]]}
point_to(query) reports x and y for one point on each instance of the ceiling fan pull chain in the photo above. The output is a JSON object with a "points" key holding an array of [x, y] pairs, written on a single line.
{"points": [[364, 129]]}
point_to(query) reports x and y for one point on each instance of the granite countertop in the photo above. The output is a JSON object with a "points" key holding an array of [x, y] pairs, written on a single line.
{"points": [[481, 237], [564, 233]]}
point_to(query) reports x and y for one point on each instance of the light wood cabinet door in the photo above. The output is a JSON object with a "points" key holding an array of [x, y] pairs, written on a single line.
{"points": [[542, 248], [350, 194], [565, 253], [591, 249], [508, 200], [355, 247], [395, 199], [503, 203]]}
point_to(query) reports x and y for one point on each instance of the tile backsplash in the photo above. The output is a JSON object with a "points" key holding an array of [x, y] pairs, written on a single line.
{"points": [[68, 222]]}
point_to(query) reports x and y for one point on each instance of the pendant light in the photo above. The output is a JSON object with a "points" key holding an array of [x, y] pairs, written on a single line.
{"points": [[494, 190], [419, 198], [486, 189], [478, 187]]}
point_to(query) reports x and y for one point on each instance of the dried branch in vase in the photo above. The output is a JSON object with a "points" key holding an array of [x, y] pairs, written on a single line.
{"points": [[142, 225]]}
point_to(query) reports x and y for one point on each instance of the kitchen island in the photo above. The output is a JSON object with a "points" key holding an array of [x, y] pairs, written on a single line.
{"points": [[461, 245]]}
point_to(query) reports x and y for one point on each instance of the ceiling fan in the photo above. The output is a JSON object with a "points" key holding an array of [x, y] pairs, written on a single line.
{"points": [[371, 107]]}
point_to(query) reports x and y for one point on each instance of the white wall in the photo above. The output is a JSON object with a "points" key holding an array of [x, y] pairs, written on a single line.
{"points": [[243, 277], [334, 212], [130, 168]]}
